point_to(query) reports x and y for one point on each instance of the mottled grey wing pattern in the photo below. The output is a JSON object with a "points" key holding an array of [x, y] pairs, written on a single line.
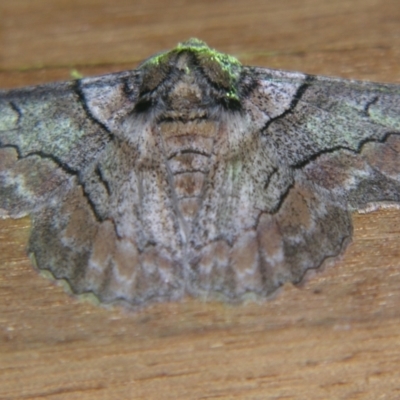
{"points": [[194, 175], [54, 155], [336, 148]]}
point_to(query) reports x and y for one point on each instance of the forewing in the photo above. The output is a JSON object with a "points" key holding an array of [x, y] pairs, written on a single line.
{"points": [[47, 141], [355, 125]]}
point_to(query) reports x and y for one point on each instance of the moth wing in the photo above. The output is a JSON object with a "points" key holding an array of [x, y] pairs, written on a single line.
{"points": [[51, 136], [338, 149], [345, 134], [59, 163]]}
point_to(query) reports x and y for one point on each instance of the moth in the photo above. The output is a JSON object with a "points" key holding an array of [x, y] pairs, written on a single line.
{"points": [[195, 175]]}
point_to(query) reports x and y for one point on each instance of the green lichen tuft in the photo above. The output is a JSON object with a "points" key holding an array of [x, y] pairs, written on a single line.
{"points": [[225, 69], [194, 45], [75, 74]]}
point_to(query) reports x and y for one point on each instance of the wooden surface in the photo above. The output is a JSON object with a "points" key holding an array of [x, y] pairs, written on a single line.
{"points": [[336, 337]]}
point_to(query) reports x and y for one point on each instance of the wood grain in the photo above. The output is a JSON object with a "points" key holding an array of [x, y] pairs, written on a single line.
{"points": [[335, 337]]}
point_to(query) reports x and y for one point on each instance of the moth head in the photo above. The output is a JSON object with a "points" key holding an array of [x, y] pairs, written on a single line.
{"points": [[194, 63]]}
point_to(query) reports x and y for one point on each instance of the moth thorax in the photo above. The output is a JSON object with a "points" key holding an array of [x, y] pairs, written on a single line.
{"points": [[188, 148]]}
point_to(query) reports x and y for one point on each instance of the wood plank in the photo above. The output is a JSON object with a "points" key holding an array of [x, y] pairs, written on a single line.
{"points": [[337, 336]]}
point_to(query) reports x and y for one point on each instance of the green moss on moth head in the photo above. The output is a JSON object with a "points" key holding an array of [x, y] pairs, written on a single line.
{"points": [[222, 69], [226, 62]]}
